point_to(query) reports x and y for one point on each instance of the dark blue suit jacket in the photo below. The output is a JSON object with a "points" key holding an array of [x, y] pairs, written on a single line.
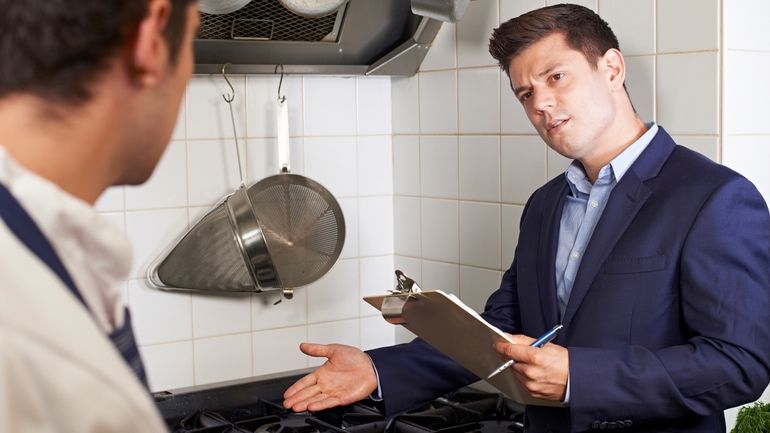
{"points": [[668, 322]]}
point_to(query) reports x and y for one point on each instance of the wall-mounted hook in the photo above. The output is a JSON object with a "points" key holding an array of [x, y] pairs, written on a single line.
{"points": [[281, 98], [229, 97]]}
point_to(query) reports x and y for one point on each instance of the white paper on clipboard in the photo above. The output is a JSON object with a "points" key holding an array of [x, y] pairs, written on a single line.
{"points": [[455, 329]]}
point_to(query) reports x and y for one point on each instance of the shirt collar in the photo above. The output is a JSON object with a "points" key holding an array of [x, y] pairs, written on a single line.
{"points": [[96, 254], [578, 180]]}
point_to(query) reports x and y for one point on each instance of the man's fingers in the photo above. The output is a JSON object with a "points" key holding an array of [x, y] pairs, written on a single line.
{"points": [[308, 380], [325, 403], [522, 339], [517, 352], [317, 350]]}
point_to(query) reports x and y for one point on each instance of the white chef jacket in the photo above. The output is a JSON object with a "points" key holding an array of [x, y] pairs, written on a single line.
{"points": [[59, 372]]}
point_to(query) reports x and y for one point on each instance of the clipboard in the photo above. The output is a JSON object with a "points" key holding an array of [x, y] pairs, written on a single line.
{"points": [[455, 329]]}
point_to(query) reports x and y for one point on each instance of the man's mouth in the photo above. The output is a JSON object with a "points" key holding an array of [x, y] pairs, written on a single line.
{"points": [[555, 126]]}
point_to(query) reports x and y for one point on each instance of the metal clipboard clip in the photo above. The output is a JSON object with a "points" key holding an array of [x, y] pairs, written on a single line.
{"points": [[393, 305]]}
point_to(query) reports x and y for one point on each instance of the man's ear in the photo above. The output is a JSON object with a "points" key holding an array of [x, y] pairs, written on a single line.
{"points": [[150, 51], [613, 63]]}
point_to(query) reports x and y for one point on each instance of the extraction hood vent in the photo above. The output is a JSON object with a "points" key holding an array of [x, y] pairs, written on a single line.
{"points": [[363, 37], [268, 21]]}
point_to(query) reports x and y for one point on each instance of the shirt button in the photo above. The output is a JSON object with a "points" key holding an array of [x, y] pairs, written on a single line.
{"points": [[594, 203], [575, 254]]}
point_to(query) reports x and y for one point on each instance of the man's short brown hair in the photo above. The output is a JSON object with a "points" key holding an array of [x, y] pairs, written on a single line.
{"points": [[54, 49], [585, 31]]}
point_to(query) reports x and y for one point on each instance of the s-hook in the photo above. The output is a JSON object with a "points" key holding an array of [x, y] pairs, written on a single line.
{"points": [[281, 98], [229, 98]]}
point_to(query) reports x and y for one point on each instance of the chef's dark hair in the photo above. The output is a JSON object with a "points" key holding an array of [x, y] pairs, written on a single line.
{"points": [[585, 31], [54, 48]]}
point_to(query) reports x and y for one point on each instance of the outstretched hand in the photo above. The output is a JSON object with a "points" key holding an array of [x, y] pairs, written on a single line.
{"points": [[346, 377], [542, 370]]}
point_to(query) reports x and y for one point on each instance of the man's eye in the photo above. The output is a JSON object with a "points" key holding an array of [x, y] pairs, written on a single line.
{"points": [[525, 96], [559, 76]]}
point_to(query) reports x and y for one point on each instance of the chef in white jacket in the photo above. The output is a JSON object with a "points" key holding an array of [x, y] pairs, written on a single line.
{"points": [[89, 95]]}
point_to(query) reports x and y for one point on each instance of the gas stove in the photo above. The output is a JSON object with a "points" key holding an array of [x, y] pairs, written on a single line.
{"points": [[254, 406]]}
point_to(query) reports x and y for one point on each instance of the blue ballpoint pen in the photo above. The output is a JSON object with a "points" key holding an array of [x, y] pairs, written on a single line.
{"points": [[540, 342]]}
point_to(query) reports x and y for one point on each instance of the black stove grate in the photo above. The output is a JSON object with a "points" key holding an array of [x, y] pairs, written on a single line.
{"points": [[238, 410]]}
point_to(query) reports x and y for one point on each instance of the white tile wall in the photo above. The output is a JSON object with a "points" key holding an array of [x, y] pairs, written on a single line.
{"points": [[522, 165], [221, 358], [477, 103], [340, 131], [377, 277], [479, 168], [441, 276], [633, 22], [476, 285], [442, 53], [473, 33], [479, 234], [335, 295], [438, 102], [218, 315], [169, 365], [702, 18], [745, 95], [277, 350], [439, 166], [330, 106], [373, 106], [681, 80], [406, 225], [332, 161], [640, 78], [440, 230], [406, 164]]}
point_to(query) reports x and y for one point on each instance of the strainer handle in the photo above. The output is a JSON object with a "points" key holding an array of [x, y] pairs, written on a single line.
{"points": [[283, 136]]}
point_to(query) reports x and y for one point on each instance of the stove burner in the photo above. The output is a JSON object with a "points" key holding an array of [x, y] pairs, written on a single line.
{"points": [[459, 412]]}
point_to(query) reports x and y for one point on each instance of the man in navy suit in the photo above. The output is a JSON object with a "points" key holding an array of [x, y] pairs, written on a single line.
{"points": [[655, 259]]}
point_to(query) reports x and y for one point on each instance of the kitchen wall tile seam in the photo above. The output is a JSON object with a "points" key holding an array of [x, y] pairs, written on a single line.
{"points": [[746, 50], [463, 200], [743, 134], [458, 263], [679, 53]]}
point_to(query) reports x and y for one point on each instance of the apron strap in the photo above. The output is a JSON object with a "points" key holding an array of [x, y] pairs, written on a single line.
{"points": [[25, 229]]}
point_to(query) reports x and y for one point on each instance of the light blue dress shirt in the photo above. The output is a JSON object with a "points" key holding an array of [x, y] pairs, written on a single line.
{"points": [[582, 210]]}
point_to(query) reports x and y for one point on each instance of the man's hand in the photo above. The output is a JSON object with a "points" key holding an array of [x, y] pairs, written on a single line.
{"points": [[346, 377], [543, 371]]}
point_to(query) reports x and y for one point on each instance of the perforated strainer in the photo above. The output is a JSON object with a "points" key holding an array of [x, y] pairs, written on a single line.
{"points": [[282, 232]]}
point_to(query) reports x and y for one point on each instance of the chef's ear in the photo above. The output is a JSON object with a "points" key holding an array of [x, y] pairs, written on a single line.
{"points": [[149, 53]]}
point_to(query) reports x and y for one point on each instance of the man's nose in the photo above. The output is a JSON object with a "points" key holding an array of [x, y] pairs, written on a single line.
{"points": [[543, 100]]}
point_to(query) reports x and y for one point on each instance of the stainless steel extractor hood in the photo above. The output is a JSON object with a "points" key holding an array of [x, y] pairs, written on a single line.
{"points": [[363, 37]]}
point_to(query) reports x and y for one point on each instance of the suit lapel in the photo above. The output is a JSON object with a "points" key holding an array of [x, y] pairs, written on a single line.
{"points": [[628, 196], [549, 238]]}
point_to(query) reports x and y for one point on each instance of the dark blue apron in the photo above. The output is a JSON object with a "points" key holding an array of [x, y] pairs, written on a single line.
{"points": [[22, 225]]}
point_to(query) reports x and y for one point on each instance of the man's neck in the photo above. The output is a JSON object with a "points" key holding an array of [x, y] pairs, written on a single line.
{"points": [[69, 147], [622, 136]]}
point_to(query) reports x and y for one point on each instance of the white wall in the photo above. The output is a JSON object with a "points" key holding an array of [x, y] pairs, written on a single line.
{"points": [[746, 133], [341, 137]]}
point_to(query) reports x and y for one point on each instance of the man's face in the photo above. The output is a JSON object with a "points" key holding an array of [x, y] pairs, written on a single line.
{"points": [[567, 99], [162, 108]]}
